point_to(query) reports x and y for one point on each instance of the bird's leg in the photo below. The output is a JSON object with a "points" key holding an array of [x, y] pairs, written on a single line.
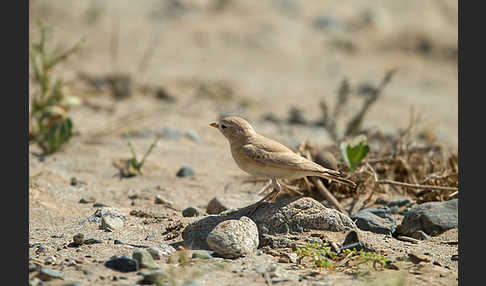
{"points": [[276, 190], [268, 184]]}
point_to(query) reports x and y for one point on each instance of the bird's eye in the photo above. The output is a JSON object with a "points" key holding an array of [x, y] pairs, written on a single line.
{"points": [[223, 126]]}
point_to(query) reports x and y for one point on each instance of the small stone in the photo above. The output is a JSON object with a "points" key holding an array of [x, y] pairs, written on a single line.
{"points": [[74, 181], [78, 239], [73, 284], [111, 223], [88, 200], [189, 283], [117, 241], [192, 212], [122, 264], [46, 274], [144, 259], [161, 201], [185, 172], [100, 205], [234, 238], [351, 241], [455, 257]]}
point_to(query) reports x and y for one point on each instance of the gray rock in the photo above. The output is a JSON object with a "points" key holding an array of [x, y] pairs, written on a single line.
{"points": [[234, 238], [433, 218], [229, 201], [284, 216], [192, 212], [111, 223], [122, 264], [46, 274], [144, 259], [163, 250], [377, 220], [72, 284], [185, 172]]}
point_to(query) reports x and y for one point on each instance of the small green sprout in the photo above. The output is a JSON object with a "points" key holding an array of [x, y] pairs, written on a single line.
{"points": [[354, 150]]}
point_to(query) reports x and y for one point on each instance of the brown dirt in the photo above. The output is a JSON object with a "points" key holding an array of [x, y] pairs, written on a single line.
{"points": [[270, 57]]}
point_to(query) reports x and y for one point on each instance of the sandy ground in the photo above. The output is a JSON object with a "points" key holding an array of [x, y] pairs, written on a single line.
{"points": [[264, 56]]}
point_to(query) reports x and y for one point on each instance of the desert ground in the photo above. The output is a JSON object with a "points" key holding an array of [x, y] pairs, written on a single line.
{"points": [[190, 62]]}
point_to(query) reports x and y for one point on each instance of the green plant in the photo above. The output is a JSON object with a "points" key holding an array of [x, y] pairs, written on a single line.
{"points": [[321, 256], [49, 124], [133, 167], [354, 150]]}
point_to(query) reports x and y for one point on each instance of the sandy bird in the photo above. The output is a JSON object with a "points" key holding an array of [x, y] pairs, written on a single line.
{"points": [[262, 156]]}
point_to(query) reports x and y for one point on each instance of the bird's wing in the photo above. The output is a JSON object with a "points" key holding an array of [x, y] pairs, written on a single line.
{"points": [[273, 154]]}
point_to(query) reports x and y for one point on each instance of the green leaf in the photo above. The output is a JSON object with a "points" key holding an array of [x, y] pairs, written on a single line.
{"points": [[354, 150]]}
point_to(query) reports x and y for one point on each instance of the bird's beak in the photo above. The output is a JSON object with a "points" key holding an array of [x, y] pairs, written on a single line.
{"points": [[214, 124]]}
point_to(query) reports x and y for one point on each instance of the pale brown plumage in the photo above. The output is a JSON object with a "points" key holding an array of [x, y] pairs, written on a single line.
{"points": [[262, 156]]}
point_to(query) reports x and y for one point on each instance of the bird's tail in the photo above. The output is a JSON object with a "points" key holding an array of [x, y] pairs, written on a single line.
{"points": [[336, 176]]}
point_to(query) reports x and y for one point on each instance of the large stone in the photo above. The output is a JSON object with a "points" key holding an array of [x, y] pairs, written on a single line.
{"points": [[433, 218], [234, 238], [285, 215], [377, 220]]}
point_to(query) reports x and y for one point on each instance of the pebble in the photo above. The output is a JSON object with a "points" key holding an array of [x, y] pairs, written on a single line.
{"points": [[100, 205], [88, 200], [296, 116], [234, 238], [161, 201], [351, 241], [185, 172], [144, 259], [122, 264], [78, 239], [192, 212], [72, 284], [46, 274], [110, 223]]}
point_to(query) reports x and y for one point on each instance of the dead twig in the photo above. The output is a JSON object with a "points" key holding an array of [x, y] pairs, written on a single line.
{"points": [[416, 186]]}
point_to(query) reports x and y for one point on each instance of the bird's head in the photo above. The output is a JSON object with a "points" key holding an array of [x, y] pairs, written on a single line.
{"points": [[234, 128]]}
